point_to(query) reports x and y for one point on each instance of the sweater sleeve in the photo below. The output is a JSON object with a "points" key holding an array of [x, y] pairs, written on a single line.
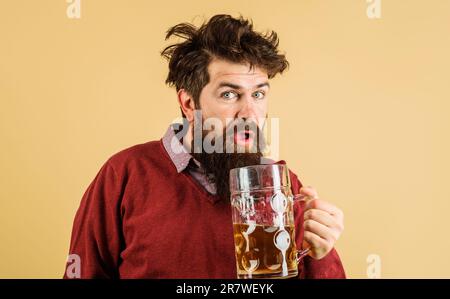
{"points": [[329, 266], [96, 234]]}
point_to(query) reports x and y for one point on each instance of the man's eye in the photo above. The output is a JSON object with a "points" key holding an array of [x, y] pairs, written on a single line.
{"points": [[229, 95], [258, 94]]}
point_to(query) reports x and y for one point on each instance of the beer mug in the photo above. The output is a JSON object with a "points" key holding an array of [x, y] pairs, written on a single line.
{"points": [[262, 206]]}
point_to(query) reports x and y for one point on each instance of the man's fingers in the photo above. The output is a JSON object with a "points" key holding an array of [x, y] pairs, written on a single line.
{"points": [[314, 240], [324, 206], [309, 191], [319, 247], [324, 218], [324, 232]]}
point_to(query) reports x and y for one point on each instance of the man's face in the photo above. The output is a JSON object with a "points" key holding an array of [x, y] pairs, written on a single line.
{"points": [[236, 92], [236, 97]]}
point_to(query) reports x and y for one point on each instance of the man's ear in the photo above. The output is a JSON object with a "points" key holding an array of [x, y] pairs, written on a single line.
{"points": [[187, 104]]}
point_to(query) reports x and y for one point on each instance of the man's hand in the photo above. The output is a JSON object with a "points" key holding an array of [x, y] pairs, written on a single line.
{"points": [[323, 224]]}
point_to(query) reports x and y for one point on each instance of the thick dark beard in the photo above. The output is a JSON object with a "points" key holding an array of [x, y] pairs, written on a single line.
{"points": [[217, 166]]}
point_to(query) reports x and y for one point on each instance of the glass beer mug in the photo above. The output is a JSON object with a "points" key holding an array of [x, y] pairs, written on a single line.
{"points": [[262, 206]]}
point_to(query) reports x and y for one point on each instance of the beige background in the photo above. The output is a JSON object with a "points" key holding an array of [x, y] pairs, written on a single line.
{"points": [[363, 113]]}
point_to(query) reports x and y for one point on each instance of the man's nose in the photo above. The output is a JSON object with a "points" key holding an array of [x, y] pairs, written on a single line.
{"points": [[248, 110]]}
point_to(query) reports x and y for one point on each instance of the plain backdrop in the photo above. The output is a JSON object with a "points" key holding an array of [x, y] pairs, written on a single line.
{"points": [[363, 110]]}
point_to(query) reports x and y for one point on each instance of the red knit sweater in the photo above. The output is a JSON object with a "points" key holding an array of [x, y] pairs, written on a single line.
{"points": [[139, 218]]}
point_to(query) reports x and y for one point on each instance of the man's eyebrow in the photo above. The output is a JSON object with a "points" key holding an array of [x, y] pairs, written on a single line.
{"points": [[235, 86], [263, 84]]}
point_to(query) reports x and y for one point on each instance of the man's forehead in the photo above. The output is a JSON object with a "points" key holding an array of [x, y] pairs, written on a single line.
{"points": [[221, 70]]}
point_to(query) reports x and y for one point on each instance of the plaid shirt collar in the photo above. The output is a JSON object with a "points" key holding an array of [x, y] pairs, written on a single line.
{"points": [[180, 157]]}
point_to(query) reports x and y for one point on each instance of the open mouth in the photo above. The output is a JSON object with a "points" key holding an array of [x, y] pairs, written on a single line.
{"points": [[244, 137]]}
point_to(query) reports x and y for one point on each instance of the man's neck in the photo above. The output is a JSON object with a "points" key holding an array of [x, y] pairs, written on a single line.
{"points": [[186, 140]]}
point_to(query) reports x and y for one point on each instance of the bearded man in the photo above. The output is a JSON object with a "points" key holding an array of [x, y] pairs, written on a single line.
{"points": [[161, 209]]}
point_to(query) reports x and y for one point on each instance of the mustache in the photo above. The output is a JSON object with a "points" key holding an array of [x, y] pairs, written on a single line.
{"points": [[237, 126], [218, 163], [240, 125], [215, 135]]}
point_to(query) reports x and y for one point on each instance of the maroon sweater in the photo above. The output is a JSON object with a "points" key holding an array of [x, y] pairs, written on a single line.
{"points": [[140, 218]]}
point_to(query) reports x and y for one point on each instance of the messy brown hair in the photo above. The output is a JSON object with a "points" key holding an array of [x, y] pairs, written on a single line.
{"points": [[222, 37]]}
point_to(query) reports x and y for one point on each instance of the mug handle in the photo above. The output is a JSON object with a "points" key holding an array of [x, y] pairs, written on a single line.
{"points": [[302, 252]]}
